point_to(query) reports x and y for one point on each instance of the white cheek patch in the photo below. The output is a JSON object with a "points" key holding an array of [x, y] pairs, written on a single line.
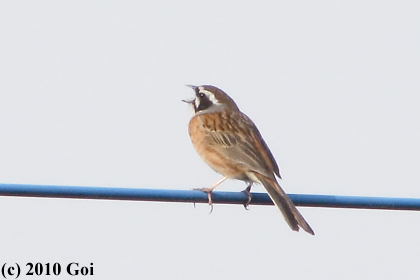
{"points": [[197, 102]]}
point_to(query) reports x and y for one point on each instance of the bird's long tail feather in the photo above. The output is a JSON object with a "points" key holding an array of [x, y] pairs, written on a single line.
{"points": [[286, 206]]}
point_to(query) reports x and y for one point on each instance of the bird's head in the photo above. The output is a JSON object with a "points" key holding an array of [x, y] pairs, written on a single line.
{"points": [[210, 99]]}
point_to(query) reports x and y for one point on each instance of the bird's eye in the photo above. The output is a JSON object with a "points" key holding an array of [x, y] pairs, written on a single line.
{"points": [[201, 95]]}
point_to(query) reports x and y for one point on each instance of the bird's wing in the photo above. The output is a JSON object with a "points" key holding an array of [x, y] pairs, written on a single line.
{"points": [[239, 139]]}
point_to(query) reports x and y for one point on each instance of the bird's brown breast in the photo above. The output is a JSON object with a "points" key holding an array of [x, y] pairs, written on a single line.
{"points": [[200, 129]]}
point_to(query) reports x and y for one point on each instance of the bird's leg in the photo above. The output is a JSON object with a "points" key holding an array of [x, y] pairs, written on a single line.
{"points": [[209, 191], [247, 191]]}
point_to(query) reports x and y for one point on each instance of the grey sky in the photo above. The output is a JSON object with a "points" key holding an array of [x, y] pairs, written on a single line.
{"points": [[90, 94]]}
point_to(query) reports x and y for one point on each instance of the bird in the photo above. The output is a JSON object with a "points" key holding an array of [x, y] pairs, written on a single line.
{"points": [[231, 144]]}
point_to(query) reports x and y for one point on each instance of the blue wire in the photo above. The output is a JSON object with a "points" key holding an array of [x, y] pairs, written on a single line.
{"points": [[310, 200]]}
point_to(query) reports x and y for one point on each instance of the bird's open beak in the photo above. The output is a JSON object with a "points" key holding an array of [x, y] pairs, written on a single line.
{"points": [[191, 86], [190, 101]]}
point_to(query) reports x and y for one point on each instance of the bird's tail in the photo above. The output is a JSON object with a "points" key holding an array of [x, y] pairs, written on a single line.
{"points": [[286, 206]]}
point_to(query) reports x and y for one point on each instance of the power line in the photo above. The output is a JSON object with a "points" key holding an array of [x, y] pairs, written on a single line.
{"points": [[309, 200]]}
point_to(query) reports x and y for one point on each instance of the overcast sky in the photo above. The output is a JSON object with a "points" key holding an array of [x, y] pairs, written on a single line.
{"points": [[90, 95]]}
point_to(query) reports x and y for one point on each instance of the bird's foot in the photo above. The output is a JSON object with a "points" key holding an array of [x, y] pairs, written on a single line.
{"points": [[247, 191], [209, 192]]}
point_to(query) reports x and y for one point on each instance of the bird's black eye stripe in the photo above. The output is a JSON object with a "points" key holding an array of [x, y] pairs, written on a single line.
{"points": [[204, 102]]}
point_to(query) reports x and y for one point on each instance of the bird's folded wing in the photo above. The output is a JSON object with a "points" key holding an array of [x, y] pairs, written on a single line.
{"points": [[245, 147]]}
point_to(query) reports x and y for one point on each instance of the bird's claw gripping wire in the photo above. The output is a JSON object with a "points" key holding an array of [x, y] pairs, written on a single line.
{"points": [[247, 191], [209, 192]]}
